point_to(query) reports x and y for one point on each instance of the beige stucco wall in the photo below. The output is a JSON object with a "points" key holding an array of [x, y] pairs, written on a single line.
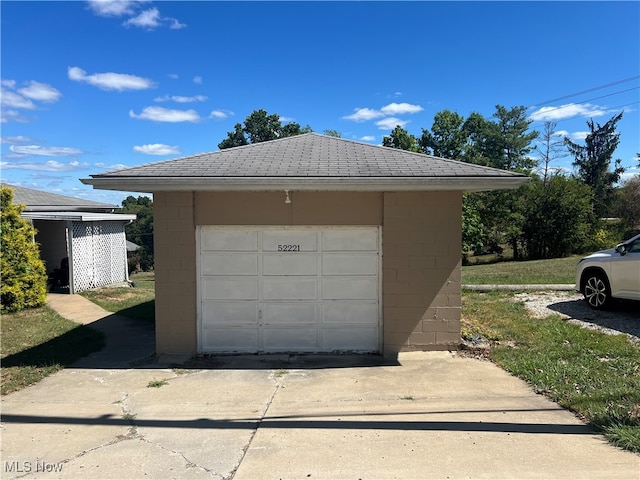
{"points": [[421, 256]]}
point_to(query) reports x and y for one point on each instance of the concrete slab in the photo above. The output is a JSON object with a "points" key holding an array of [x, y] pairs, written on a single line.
{"points": [[485, 424], [427, 415]]}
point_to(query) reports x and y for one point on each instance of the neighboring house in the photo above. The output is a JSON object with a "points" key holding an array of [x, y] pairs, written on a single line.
{"points": [[307, 244], [81, 242]]}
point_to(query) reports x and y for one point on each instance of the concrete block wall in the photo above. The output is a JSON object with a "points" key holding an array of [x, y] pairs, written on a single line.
{"points": [[175, 267], [421, 237]]}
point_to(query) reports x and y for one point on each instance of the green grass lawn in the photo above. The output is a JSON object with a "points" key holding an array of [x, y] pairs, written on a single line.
{"points": [[597, 376], [38, 342], [557, 270], [136, 302]]}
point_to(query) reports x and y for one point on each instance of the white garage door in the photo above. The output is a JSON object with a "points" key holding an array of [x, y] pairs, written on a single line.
{"points": [[288, 289]]}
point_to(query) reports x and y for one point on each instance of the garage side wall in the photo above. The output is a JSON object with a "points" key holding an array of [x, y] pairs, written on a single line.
{"points": [[421, 239], [175, 267]]}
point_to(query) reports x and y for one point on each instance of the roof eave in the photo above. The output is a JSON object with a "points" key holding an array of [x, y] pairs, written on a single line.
{"points": [[161, 184], [80, 216]]}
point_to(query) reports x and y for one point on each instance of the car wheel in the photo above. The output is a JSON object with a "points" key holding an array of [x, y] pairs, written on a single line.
{"points": [[596, 290]]}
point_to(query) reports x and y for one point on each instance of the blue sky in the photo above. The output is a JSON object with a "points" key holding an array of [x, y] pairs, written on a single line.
{"points": [[89, 87]]}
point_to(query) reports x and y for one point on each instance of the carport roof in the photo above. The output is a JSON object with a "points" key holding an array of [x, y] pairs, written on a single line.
{"points": [[308, 162], [40, 201]]}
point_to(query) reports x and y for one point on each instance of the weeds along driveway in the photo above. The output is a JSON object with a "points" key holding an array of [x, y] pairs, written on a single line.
{"points": [[622, 317], [429, 415]]}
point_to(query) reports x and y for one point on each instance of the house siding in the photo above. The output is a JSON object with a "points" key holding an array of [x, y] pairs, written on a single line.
{"points": [[421, 256]]}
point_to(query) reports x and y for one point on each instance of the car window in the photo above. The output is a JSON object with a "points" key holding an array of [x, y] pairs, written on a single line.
{"points": [[634, 246]]}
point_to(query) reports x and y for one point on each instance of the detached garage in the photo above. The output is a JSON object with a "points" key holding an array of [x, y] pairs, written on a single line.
{"points": [[307, 244]]}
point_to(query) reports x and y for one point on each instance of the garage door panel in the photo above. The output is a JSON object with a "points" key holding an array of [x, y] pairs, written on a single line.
{"points": [[229, 288], [350, 240], [229, 264], [230, 313], [349, 264], [289, 288], [292, 314], [231, 340], [350, 288], [289, 240], [349, 312], [229, 241], [290, 264], [297, 339], [354, 338]]}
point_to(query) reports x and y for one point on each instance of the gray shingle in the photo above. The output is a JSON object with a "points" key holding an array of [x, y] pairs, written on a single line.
{"points": [[46, 201], [310, 155]]}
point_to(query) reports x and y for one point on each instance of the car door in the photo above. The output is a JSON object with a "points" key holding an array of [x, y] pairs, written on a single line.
{"points": [[625, 272]]}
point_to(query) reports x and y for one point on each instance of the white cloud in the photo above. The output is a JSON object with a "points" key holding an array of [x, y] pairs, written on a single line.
{"points": [[8, 83], [113, 8], [110, 80], [561, 133], [173, 76], [40, 91], [149, 19], [159, 114], [220, 114], [363, 114], [400, 108], [27, 150], [9, 115], [390, 123], [175, 24], [106, 166], [49, 166], [197, 80], [181, 99], [579, 135], [16, 139], [368, 138], [567, 111], [157, 149], [14, 100]]}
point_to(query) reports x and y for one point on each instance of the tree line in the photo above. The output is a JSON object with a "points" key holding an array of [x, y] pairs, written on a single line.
{"points": [[556, 214]]}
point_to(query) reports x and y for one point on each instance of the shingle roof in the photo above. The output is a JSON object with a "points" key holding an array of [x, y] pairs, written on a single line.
{"points": [[38, 200], [309, 159]]}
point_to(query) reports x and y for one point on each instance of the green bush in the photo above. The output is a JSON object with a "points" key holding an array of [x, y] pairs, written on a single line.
{"points": [[24, 278]]}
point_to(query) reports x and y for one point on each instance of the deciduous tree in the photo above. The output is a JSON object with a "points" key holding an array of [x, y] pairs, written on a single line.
{"points": [[401, 139], [258, 127], [447, 138]]}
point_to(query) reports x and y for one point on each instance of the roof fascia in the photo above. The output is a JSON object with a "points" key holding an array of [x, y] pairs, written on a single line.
{"points": [[377, 184], [79, 216]]}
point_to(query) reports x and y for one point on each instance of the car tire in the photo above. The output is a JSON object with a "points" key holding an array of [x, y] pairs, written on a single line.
{"points": [[596, 291]]}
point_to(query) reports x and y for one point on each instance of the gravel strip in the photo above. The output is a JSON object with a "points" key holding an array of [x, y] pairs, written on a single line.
{"points": [[621, 318]]}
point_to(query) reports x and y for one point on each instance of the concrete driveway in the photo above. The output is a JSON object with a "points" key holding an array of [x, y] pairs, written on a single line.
{"points": [[429, 415]]}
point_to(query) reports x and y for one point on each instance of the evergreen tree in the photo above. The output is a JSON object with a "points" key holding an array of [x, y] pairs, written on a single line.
{"points": [[593, 162], [24, 278]]}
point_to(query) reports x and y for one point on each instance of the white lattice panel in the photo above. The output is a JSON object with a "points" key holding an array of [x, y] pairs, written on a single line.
{"points": [[99, 254]]}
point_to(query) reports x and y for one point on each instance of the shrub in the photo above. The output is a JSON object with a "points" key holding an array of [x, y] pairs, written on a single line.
{"points": [[24, 278]]}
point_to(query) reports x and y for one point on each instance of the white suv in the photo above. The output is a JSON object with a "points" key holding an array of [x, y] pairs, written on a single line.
{"points": [[608, 274]]}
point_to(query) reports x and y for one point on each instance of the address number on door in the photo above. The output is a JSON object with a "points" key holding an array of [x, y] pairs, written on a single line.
{"points": [[288, 248]]}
